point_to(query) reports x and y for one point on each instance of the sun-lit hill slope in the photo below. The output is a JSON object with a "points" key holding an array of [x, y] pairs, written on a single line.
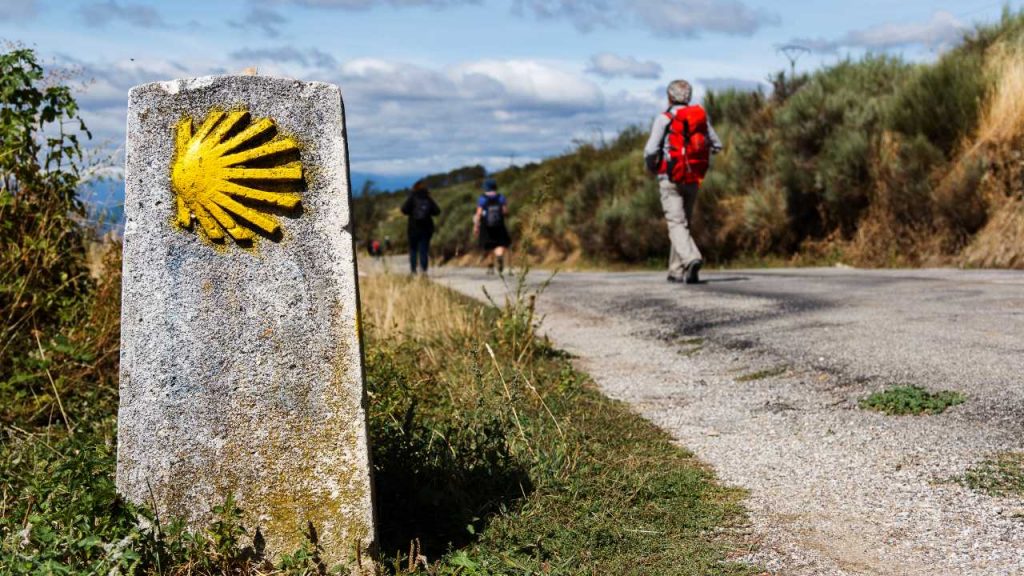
{"points": [[873, 162]]}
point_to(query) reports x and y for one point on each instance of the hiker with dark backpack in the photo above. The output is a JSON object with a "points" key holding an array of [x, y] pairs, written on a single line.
{"points": [[679, 151], [421, 209], [489, 224]]}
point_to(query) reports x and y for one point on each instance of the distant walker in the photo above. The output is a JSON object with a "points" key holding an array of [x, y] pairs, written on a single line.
{"points": [[489, 225], [421, 209]]}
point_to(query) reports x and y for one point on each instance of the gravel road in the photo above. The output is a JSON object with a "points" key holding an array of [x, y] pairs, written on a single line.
{"points": [[833, 489]]}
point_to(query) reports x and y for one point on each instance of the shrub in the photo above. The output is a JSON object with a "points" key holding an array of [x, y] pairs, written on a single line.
{"points": [[43, 275], [617, 222], [825, 134], [733, 106], [766, 217], [942, 101]]}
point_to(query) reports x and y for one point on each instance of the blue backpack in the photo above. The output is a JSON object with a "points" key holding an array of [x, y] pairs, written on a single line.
{"points": [[494, 214]]}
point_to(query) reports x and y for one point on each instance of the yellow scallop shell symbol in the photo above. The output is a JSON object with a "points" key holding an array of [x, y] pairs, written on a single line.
{"points": [[230, 172]]}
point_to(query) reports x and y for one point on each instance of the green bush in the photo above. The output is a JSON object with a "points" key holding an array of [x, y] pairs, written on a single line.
{"points": [[826, 132], [618, 220], [736, 107], [941, 101], [42, 258], [48, 347]]}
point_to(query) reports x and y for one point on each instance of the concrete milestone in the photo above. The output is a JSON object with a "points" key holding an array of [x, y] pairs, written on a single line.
{"points": [[241, 359]]}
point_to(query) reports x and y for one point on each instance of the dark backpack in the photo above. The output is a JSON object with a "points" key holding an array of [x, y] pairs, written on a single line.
{"points": [[494, 216], [689, 152], [421, 207]]}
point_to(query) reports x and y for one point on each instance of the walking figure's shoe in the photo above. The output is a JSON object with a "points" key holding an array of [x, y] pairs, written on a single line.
{"points": [[674, 280], [693, 272]]}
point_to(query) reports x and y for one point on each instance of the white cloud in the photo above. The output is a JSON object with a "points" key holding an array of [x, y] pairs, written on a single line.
{"points": [[527, 84], [264, 19], [313, 57], [409, 119], [18, 9], [942, 31], [612, 65], [672, 18], [367, 4], [99, 14], [691, 18]]}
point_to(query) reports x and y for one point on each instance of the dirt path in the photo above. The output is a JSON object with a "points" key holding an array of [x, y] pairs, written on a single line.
{"points": [[759, 373]]}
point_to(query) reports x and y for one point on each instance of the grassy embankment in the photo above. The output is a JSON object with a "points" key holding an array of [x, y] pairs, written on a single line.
{"points": [[511, 464], [491, 454], [872, 162]]}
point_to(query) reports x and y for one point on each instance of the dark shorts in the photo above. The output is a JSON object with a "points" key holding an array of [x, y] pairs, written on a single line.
{"points": [[491, 238]]}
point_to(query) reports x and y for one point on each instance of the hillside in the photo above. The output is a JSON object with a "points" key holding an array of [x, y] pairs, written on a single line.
{"points": [[872, 162]]}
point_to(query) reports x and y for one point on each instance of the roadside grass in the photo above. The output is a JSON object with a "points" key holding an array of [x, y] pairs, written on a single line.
{"points": [[911, 400], [1000, 475], [509, 461], [491, 454], [763, 374]]}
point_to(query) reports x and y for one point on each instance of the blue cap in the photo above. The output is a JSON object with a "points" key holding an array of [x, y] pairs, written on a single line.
{"points": [[490, 185]]}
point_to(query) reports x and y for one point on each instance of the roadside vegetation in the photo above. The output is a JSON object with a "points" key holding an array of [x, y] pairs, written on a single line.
{"points": [[1000, 475], [872, 162], [911, 400], [516, 458], [763, 374], [492, 455]]}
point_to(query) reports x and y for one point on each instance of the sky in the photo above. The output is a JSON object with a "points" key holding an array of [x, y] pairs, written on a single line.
{"points": [[431, 85]]}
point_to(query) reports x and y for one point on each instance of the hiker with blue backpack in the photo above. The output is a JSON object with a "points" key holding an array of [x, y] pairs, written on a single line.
{"points": [[489, 225], [679, 152], [421, 209]]}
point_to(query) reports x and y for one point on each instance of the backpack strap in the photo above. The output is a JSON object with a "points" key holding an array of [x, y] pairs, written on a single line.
{"points": [[668, 127]]}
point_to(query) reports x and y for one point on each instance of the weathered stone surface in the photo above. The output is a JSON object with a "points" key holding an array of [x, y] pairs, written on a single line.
{"points": [[241, 366]]}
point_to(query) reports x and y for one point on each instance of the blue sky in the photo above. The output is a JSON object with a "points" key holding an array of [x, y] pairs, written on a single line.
{"points": [[430, 85]]}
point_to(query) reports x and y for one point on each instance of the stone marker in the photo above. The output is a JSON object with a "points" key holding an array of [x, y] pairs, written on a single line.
{"points": [[241, 359]]}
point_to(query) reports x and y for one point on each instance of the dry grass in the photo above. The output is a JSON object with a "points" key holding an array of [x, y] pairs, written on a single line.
{"points": [[1000, 243], [1002, 118], [401, 307]]}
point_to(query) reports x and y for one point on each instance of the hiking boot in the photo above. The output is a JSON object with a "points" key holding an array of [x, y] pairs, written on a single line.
{"points": [[693, 272]]}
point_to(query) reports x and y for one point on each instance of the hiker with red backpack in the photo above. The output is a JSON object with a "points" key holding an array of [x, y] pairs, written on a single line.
{"points": [[421, 209], [679, 152]]}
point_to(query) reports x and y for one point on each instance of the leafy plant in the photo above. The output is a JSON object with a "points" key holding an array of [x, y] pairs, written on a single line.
{"points": [[43, 274], [903, 400], [1000, 475]]}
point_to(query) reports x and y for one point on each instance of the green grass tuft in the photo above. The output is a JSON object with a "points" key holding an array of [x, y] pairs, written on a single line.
{"points": [[1001, 475], [762, 374], [904, 400]]}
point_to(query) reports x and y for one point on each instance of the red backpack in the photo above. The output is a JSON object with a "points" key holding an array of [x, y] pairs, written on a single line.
{"points": [[688, 151]]}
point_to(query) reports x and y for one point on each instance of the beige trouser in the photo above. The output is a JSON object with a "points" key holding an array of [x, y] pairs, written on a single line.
{"points": [[677, 200]]}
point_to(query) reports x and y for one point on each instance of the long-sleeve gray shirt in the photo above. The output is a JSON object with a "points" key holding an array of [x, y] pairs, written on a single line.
{"points": [[658, 140]]}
